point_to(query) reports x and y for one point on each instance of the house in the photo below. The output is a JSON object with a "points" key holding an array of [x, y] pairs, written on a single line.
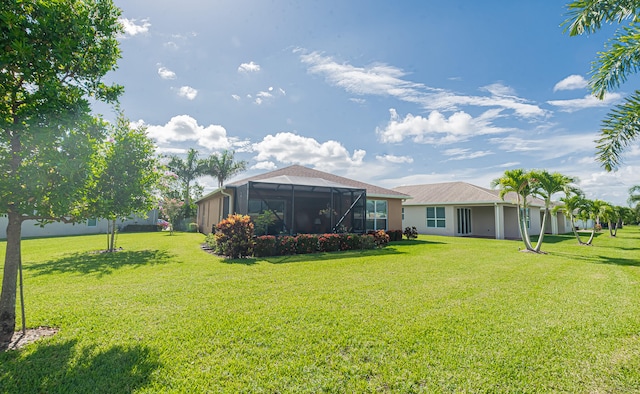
{"points": [[305, 200], [31, 228], [463, 209]]}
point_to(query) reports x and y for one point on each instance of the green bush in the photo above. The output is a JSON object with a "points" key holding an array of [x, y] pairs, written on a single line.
{"points": [[192, 227], [210, 241], [395, 235], [306, 243], [367, 241], [264, 246], [234, 236], [329, 242], [381, 238], [411, 232]]}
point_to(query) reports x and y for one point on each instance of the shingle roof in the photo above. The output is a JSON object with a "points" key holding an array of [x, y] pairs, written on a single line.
{"points": [[297, 172], [456, 193]]}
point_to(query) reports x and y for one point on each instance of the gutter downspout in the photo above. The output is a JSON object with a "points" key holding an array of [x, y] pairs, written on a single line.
{"points": [[222, 201]]}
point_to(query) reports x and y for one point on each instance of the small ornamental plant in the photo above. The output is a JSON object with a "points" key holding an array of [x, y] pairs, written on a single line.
{"points": [[395, 235], [411, 232], [381, 238], [329, 242], [234, 236]]}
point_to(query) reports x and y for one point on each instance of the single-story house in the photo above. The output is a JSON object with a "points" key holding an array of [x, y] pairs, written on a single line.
{"points": [[31, 228], [463, 209], [305, 200]]}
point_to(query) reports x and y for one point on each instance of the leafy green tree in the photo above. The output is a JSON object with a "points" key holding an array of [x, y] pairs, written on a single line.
{"points": [[634, 195], [611, 214], [517, 181], [222, 167], [53, 57], [544, 186], [574, 204], [187, 170], [126, 177], [614, 65]]}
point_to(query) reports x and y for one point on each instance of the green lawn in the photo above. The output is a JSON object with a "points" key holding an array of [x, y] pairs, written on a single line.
{"points": [[434, 315]]}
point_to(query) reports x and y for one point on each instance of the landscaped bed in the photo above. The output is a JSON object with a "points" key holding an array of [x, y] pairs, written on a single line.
{"points": [[436, 314]]}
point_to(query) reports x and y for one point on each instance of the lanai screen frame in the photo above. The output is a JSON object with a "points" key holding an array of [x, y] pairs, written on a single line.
{"points": [[315, 207]]}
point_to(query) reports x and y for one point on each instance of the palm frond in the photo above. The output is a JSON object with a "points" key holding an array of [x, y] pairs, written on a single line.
{"points": [[619, 129], [620, 59], [587, 16]]}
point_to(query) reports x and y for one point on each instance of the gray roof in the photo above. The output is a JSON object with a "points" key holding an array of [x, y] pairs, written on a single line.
{"points": [[449, 193], [300, 175]]}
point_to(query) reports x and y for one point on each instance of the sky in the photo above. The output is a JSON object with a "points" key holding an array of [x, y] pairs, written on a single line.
{"points": [[388, 93]]}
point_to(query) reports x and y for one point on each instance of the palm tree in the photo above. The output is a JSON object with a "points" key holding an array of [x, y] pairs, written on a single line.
{"points": [[222, 167], [611, 214], [517, 181], [545, 185], [574, 204], [187, 170], [633, 197], [613, 66]]}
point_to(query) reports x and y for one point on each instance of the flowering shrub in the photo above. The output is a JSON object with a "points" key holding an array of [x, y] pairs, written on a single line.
{"points": [[381, 238], [329, 242], [234, 236], [411, 232], [306, 243], [351, 242], [170, 209], [287, 245], [395, 235], [367, 241], [264, 246]]}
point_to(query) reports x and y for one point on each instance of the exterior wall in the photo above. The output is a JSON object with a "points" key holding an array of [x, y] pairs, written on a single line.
{"points": [[416, 215], [30, 228], [564, 224], [535, 225], [394, 220], [209, 213], [483, 223], [511, 230]]}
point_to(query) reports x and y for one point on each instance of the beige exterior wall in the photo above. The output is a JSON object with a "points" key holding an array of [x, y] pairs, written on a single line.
{"points": [[483, 222], [209, 213], [395, 214]]}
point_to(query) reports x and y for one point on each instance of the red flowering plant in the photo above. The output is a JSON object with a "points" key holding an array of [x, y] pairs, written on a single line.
{"points": [[306, 243], [265, 245], [234, 236], [287, 245]]}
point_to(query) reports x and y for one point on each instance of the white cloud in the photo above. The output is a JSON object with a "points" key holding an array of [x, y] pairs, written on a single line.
{"points": [[290, 148], [235, 97], [551, 147], [185, 128], [384, 80], [258, 101], [264, 94], [248, 67], [132, 29], [264, 165], [437, 128], [571, 82], [188, 92], [465, 154], [588, 101], [395, 159], [165, 73]]}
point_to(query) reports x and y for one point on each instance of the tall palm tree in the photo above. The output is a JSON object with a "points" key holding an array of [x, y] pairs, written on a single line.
{"points": [[222, 166], [187, 170], [544, 186], [573, 204], [517, 181], [613, 66]]}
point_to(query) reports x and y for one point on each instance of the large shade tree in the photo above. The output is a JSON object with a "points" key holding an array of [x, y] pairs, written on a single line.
{"points": [[53, 57], [619, 59]]}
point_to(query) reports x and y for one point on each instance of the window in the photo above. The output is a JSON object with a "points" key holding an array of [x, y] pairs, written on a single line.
{"points": [[92, 222], [377, 214], [435, 217]]}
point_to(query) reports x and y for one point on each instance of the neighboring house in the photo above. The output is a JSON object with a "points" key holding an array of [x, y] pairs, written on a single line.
{"points": [[31, 228], [305, 201], [463, 209]]}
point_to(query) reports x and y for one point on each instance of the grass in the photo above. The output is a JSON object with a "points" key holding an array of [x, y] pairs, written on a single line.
{"points": [[437, 314]]}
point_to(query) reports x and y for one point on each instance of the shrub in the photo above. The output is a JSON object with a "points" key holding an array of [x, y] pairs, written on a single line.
{"points": [[381, 238], [411, 232], [192, 227], [306, 243], [286, 245], [367, 241], [329, 242], [137, 228], [263, 221], [395, 235], [210, 241], [264, 246], [234, 236], [351, 242]]}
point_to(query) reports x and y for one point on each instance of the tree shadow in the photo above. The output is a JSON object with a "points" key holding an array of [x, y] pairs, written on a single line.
{"points": [[599, 259], [99, 263], [61, 368], [554, 239], [310, 257]]}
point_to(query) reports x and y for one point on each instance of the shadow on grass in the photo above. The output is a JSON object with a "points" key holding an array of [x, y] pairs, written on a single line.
{"points": [[100, 263], [554, 239], [60, 368], [598, 259]]}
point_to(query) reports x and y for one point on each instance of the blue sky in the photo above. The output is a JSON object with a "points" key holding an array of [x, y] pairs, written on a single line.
{"points": [[390, 93]]}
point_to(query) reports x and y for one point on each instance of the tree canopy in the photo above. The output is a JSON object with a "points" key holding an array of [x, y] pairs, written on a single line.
{"points": [[54, 57]]}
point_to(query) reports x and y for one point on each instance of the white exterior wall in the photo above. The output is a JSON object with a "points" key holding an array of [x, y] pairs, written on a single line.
{"points": [[30, 228], [417, 216], [483, 221]]}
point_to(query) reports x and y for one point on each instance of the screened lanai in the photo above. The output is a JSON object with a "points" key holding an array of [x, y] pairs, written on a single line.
{"points": [[303, 205]]}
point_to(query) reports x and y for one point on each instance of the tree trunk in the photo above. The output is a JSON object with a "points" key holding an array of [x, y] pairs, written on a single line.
{"points": [[10, 279], [112, 242], [573, 228], [541, 237]]}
